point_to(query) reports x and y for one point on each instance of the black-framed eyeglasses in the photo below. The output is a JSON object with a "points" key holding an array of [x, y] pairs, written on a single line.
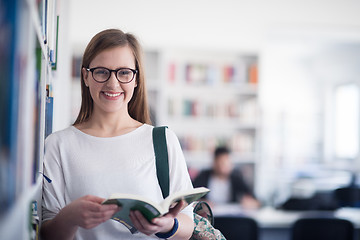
{"points": [[102, 74]]}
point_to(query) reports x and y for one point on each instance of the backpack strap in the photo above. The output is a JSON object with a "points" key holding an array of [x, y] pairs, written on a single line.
{"points": [[161, 159], [162, 171]]}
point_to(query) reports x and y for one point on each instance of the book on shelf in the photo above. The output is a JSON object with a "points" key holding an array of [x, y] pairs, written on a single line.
{"points": [[49, 105], [42, 9], [243, 142], [51, 29], [76, 67], [150, 209], [204, 109], [228, 74], [212, 75], [55, 51], [253, 74], [172, 72]]}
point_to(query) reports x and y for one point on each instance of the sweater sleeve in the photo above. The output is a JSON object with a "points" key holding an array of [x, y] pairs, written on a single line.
{"points": [[53, 193]]}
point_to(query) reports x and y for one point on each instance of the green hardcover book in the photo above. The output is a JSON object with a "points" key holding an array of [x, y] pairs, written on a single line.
{"points": [[148, 208]]}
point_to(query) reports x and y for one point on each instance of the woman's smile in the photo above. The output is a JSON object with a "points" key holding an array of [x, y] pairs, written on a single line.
{"points": [[112, 95]]}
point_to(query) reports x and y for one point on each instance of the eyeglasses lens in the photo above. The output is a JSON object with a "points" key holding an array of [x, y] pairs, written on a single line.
{"points": [[101, 74], [124, 75]]}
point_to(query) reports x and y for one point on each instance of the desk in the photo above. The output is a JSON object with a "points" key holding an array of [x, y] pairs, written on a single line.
{"points": [[276, 224]]}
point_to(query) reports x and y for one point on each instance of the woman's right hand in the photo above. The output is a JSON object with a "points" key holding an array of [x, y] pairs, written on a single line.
{"points": [[88, 212]]}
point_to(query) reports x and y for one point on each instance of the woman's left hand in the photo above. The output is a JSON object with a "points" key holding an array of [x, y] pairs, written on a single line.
{"points": [[161, 224]]}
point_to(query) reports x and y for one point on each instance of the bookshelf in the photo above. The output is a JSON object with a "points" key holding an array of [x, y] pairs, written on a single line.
{"points": [[208, 98], [31, 54]]}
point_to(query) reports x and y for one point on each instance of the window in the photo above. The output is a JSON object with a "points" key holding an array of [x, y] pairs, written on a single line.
{"points": [[347, 121]]}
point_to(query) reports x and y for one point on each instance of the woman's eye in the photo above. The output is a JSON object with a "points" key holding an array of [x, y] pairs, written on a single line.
{"points": [[124, 72], [101, 72]]}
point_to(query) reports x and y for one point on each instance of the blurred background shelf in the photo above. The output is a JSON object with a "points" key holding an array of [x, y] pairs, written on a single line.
{"points": [[208, 98], [31, 56]]}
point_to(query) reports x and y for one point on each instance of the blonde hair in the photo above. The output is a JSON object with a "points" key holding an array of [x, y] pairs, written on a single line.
{"points": [[107, 39]]}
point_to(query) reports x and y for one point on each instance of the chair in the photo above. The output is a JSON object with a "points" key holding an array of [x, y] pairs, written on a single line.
{"points": [[348, 197], [322, 229], [321, 200], [235, 227]]}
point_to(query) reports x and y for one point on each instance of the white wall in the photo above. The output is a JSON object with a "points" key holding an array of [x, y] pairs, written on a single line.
{"points": [[62, 76], [226, 24]]}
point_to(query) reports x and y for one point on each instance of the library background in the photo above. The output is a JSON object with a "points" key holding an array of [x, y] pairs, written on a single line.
{"points": [[280, 90]]}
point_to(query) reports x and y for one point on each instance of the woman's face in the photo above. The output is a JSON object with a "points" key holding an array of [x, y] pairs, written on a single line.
{"points": [[111, 96]]}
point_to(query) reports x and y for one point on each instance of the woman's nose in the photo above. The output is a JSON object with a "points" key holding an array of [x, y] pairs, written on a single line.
{"points": [[113, 81]]}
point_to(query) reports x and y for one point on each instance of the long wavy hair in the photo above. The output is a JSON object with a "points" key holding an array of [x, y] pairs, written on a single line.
{"points": [[138, 106]]}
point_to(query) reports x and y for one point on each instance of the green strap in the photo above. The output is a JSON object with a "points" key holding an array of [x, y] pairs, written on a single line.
{"points": [[161, 158]]}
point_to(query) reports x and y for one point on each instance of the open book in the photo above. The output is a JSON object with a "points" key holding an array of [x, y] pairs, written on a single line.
{"points": [[148, 208]]}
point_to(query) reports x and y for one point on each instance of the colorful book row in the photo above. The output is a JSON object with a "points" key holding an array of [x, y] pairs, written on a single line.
{"points": [[241, 143], [245, 111], [211, 74]]}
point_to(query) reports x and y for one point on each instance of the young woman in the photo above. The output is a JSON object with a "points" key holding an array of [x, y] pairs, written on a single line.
{"points": [[109, 149]]}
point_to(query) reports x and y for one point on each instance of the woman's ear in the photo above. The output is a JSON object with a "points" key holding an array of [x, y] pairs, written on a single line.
{"points": [[85, 74]]}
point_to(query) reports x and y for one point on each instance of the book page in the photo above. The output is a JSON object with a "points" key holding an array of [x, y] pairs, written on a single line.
{"points": [[188, 196]]}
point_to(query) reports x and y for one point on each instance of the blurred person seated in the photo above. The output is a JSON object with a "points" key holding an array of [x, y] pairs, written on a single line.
{"points": [[226, 183]]}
